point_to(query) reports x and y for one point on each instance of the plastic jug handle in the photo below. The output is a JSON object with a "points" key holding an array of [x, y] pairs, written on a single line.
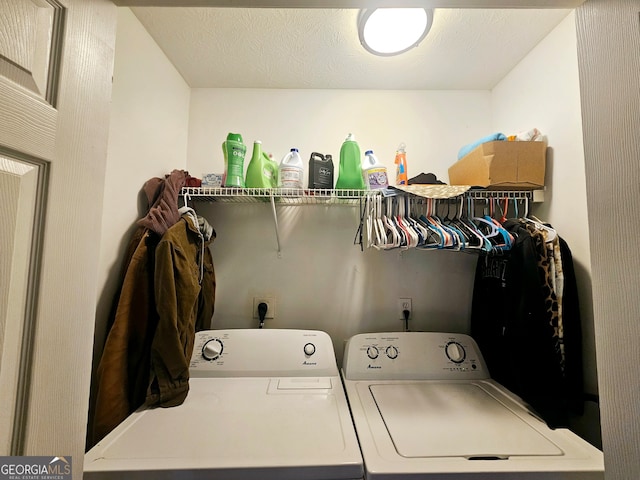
{"points": [[317, 155]]}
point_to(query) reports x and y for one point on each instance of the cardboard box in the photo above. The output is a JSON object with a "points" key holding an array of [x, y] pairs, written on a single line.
{"points": [[502, 165]]}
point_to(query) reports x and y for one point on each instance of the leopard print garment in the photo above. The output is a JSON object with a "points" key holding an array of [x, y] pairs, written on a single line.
{"points": [[551, 301], [559, 289]]}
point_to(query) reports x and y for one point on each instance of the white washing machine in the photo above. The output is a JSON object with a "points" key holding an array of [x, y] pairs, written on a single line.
{"points": [[263, 404], [425, 407]]}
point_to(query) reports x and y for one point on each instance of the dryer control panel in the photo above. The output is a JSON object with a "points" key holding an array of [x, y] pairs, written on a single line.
{"points": [[413, 355], [262, 353]]}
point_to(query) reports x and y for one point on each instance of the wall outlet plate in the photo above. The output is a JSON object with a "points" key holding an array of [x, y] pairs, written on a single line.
{"points": [[271, 306], [404, 304]]}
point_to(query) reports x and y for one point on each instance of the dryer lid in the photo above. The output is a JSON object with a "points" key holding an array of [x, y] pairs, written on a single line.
{"points": [[440, 419]]}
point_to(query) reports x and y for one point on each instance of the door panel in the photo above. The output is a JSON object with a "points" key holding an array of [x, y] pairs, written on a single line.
{"points": [[27, 125], [30, 45], [19, 186], [29, 57], [53, 138]]}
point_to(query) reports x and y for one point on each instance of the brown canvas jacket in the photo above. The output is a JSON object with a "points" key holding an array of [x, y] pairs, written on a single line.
{"points": [[123, 374], [184, 286], [123, 371]]}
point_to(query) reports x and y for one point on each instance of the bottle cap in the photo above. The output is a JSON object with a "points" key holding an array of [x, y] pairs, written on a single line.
{"points": [[235, 137], [369, 152]]}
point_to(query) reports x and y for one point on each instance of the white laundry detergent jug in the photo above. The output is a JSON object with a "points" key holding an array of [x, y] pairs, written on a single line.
{"points": [[291, 170]]}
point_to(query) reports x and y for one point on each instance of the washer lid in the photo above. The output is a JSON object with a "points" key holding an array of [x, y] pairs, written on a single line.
{"points": [[236, 419], [230, 428], [435, 419]]}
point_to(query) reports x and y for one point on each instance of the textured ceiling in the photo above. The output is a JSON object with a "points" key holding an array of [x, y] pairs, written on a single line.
{"points": [[319, 48]]}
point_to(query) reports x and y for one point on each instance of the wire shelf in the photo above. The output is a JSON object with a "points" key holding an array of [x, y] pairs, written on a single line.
{"points": [[511, 194], [293, 196], [287, 196]]}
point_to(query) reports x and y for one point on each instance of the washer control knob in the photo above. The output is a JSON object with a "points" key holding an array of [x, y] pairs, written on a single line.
{"points": [[391, 351], [212, 349], [372, 352], [455, 352], [309, 349]]}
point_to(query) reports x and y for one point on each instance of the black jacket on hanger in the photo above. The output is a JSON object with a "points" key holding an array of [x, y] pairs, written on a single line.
{"points": [[512, 324]]}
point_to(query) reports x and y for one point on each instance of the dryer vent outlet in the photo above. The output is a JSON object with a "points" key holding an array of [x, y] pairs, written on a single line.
{"points": [[271, 307]]}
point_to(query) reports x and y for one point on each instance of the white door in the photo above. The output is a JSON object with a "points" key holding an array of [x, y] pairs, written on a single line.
{"points": [[56, 61]]}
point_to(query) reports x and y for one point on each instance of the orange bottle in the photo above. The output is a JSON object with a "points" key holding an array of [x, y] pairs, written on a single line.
{"points": [[401, 166]]}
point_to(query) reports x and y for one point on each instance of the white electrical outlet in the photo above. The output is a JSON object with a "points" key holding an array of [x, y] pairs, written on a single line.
{"points": [[404, 304], [271, 306]]}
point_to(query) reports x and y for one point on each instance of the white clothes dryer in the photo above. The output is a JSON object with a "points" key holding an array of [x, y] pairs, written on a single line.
{"points": [[263, 404], [424, 407]]}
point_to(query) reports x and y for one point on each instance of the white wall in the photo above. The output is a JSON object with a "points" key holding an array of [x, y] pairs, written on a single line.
{"points": [[322, 280], [543, 91], [147, 138], [433, 124]]}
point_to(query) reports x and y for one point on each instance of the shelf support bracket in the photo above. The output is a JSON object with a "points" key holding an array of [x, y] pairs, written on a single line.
{"points": [[275, 222]]}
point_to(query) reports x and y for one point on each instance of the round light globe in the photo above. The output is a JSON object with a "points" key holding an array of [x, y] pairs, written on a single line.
{"points": [[391, 31]]}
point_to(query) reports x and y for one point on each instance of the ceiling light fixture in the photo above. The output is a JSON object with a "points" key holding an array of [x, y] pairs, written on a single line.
{"points": [[392, 31]]}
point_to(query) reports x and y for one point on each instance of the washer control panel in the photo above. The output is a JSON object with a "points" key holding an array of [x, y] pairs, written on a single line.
{"points": [[413, 355], [262, 352]]}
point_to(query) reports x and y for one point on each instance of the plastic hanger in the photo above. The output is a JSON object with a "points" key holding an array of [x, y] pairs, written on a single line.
{"points": [[460, 237], [392, 235], [467, 238], [432, 225], [550, 233], [368, 221], [380, 242], [451, 237], [380, 238], [485, 244], [412, 236], [421, 231], [405, 239]]}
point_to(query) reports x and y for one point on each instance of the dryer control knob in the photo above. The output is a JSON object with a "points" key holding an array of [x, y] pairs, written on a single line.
{"points": [[392, 352], [212, 349], [309, 349], [372, 352], [455, 352]]}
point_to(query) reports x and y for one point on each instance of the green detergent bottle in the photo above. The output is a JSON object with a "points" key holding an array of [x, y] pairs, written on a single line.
{"points": [[350, 170], [234, 151], [262, 172]]}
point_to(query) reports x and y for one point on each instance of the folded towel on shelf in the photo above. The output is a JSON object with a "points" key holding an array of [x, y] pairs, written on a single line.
{"points": [[489, 138]]}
